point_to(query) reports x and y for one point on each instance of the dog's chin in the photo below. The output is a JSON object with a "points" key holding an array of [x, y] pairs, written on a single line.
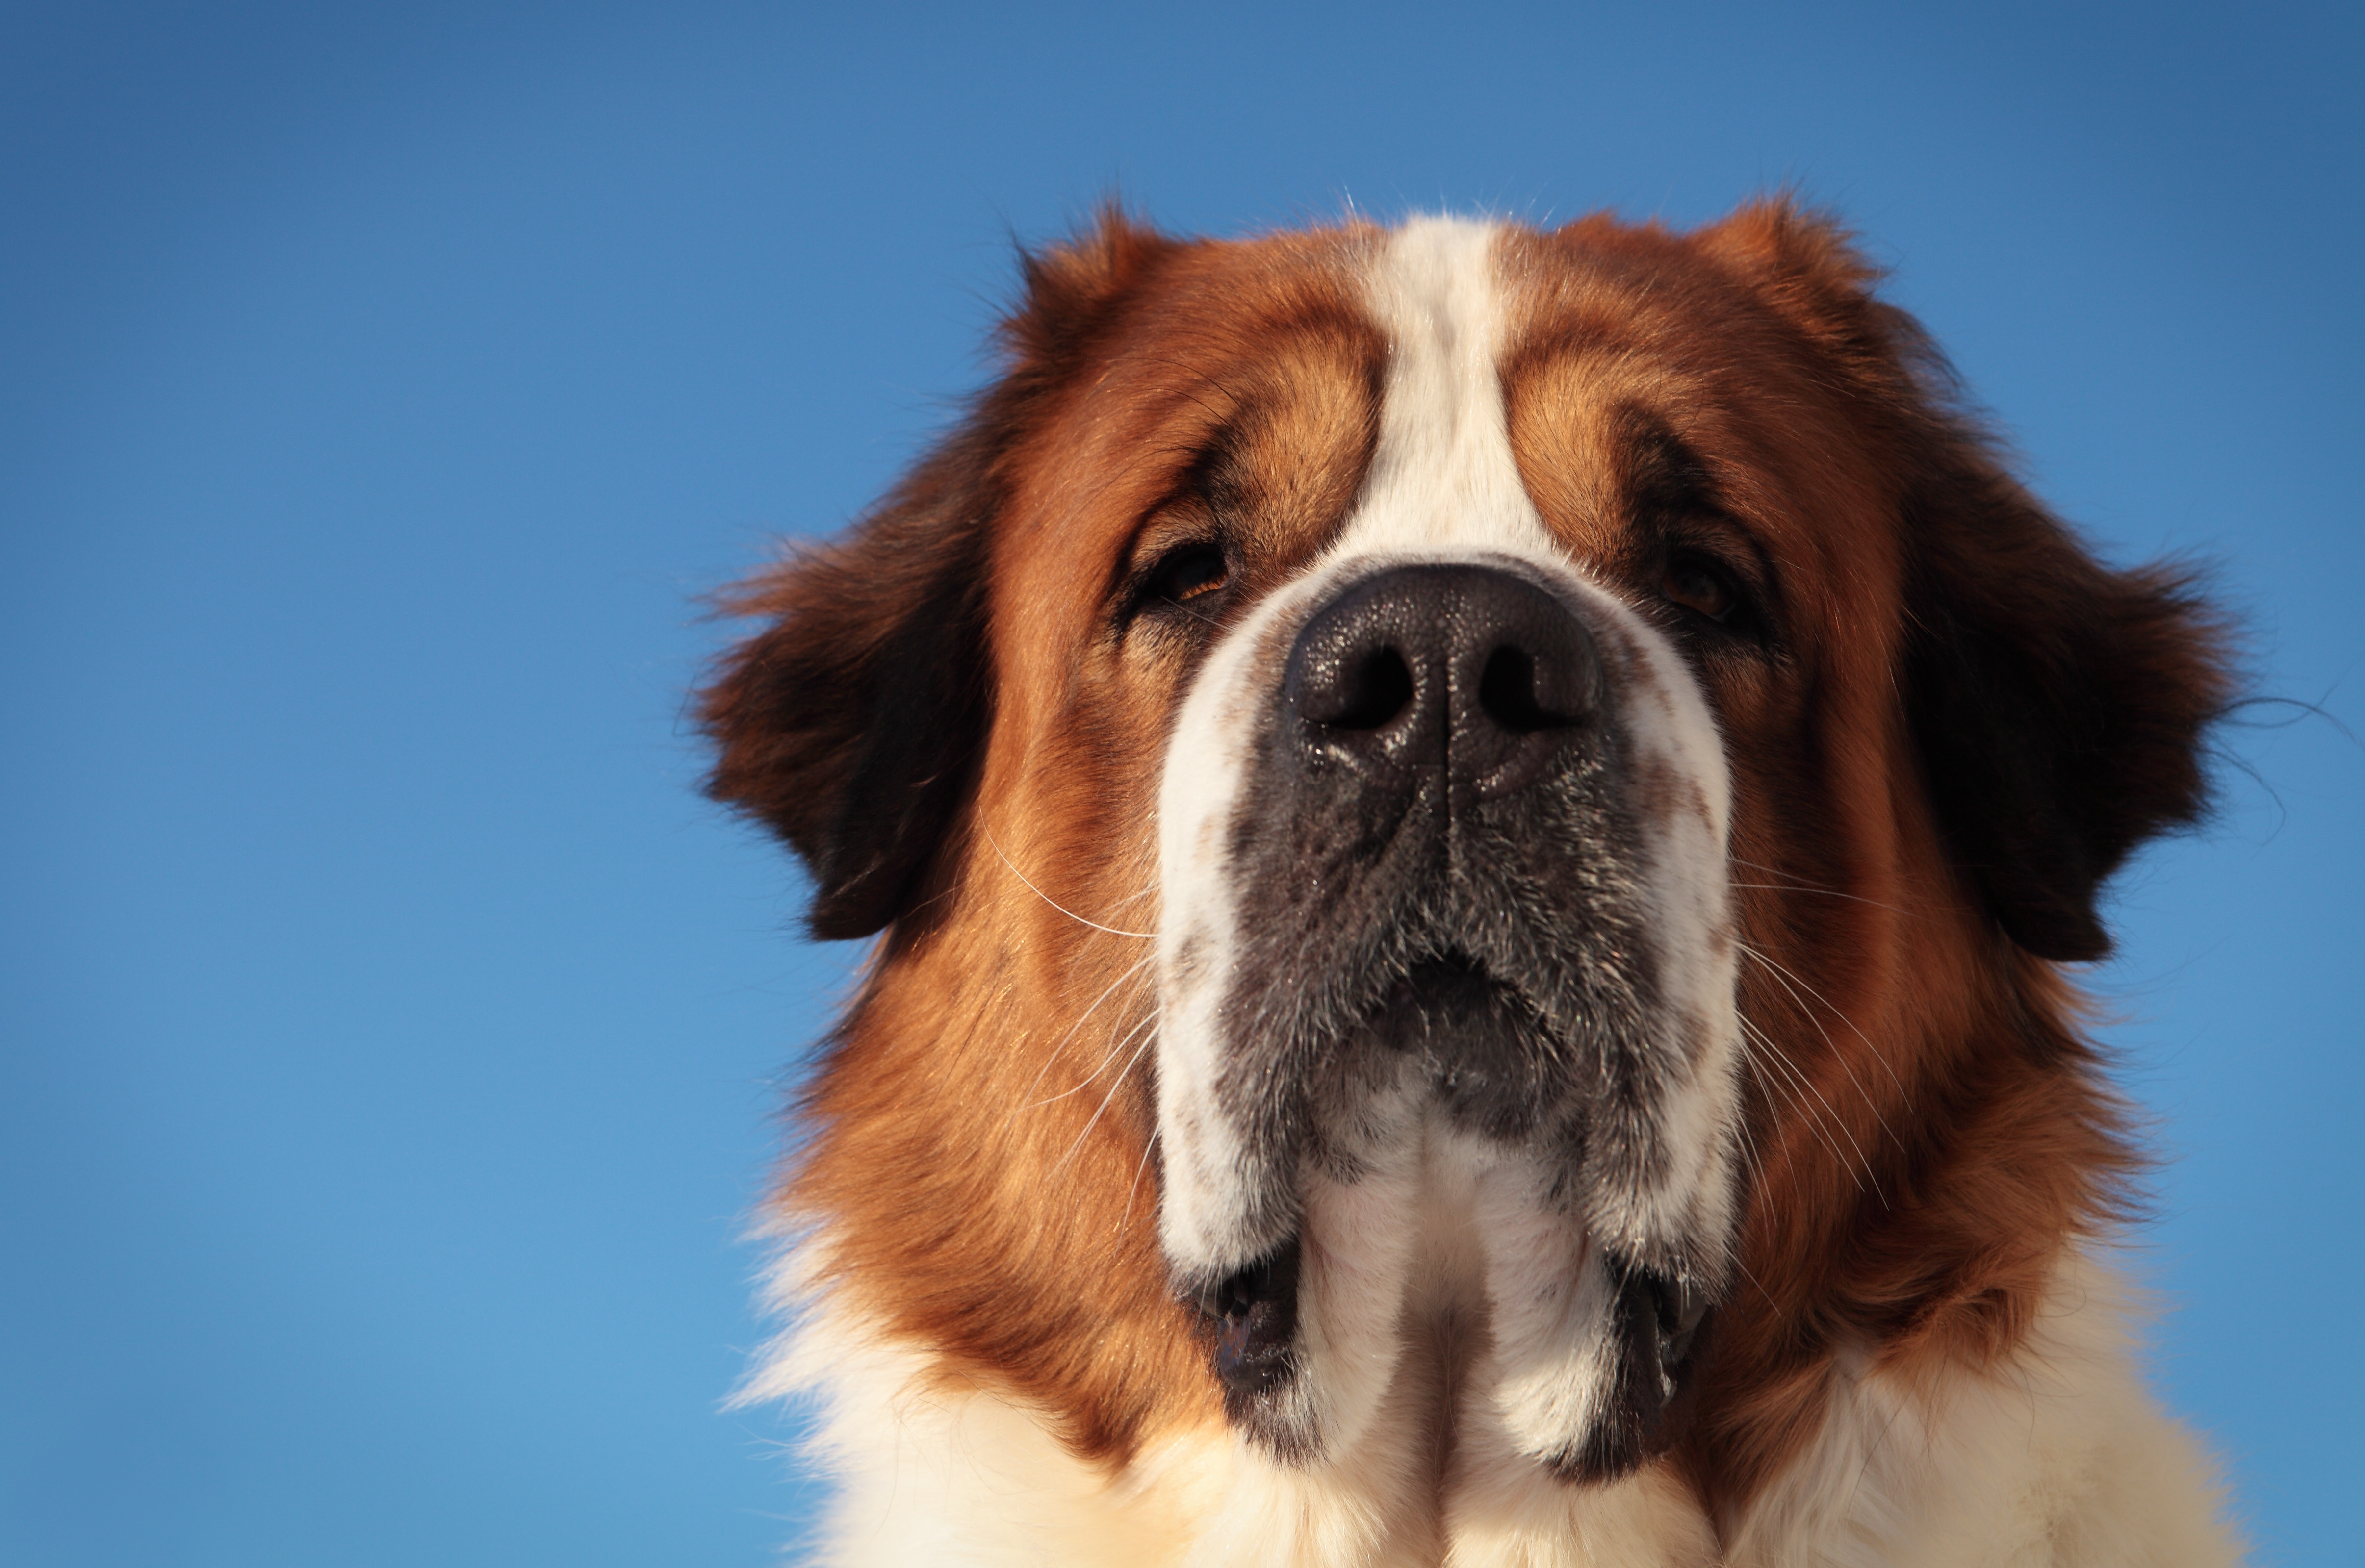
{"points": [[1469, 1041]]}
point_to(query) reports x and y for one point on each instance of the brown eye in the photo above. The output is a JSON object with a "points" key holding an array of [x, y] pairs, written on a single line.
{"points": [[1185, 573], [1701, 588]]}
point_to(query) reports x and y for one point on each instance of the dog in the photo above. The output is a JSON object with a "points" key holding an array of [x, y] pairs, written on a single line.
{"points": [[1476, 831]]}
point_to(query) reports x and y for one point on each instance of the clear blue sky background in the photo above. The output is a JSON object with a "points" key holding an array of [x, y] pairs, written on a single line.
{"points": [[389, 1038]]}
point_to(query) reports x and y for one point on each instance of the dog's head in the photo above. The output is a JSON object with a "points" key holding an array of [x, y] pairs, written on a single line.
{"points": [[1515, 788]]}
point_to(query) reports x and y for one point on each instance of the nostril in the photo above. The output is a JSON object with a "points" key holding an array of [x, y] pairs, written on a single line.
{"points": [[1377, 689], [1506, 693], [1461, 668]]}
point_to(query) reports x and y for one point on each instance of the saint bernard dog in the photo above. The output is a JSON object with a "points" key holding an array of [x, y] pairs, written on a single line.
{"points": [[1474, 834]]}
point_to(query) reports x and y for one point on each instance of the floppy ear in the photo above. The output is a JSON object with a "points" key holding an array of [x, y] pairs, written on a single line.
{"points": [[2058, 705], [853, 726]]}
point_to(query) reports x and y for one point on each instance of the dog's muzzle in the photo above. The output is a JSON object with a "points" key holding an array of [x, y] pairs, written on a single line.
{"points": [[1429, 897]]}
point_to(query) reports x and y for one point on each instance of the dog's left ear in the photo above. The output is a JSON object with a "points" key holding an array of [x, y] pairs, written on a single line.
{"points": [[2058, 705]]}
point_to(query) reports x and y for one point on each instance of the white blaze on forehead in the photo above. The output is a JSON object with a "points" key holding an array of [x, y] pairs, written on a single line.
{"points": [[1443, 476]]}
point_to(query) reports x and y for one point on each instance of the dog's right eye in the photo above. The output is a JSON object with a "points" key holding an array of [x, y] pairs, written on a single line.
{"points": [[1190, 571]]}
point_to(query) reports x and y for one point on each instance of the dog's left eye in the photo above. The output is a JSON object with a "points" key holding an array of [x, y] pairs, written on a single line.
{"points": [[1703, 587]]}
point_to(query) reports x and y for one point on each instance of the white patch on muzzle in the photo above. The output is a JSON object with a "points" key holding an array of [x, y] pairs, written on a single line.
{"points": [[1443, 487]]}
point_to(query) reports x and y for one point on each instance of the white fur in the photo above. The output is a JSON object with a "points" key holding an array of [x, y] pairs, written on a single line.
{"points": [[1443, 475], [1198, 937], [2061, 1458]]}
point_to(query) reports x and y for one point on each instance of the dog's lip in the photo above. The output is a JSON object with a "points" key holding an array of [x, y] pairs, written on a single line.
{"points": [[1252, 1313], [1680, 1307]]}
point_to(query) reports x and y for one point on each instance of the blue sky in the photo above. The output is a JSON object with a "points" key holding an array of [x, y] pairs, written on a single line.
{"points": [[390, 1040]]}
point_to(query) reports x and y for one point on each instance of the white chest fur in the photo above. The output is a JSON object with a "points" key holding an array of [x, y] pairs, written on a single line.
{"points": [[2059, 1458]]}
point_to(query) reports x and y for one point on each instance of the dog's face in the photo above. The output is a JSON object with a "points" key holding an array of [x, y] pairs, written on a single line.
{"points": [[1501, 783]]}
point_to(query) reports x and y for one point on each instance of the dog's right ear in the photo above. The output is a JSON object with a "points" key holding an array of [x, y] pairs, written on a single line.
{"points": [[854, 723]]}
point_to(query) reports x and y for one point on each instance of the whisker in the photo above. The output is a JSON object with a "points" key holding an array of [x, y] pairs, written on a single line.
{"points": [[1053, 1054], [1820, 893], [1831, 1044], [1202, 619], [1106, 1101], [1148, 1144], [1055, 903], [1786, 976], [1793, 883], [1838, 1122], [1755, 1281], [1147, 1019], [1746, 1141], [1785, 1084]]}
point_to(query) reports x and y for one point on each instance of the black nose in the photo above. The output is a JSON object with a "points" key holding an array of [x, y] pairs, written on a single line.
{"points": [[1468, 668]]}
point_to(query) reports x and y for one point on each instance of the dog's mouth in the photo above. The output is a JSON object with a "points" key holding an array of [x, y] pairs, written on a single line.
{"points": [[1479, 1037], [1450, 994]]}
